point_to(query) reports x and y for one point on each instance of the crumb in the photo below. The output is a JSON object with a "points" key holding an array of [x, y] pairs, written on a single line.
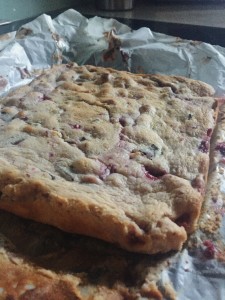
{"points": [[169, 291], [151, 291]]}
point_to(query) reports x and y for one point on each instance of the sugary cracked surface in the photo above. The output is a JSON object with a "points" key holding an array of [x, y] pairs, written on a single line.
{"points": [[113, 155]]}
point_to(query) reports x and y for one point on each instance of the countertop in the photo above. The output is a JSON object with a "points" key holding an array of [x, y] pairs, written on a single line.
{"points": [[192, 13], [203, 22], [189, 20]]}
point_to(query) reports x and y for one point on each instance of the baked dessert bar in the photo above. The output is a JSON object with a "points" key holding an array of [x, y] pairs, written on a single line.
{"points": [[118, 156], [39, 262]]}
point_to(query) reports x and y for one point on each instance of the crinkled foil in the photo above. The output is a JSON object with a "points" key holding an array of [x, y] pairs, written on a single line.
{"points": [[198, 272]]}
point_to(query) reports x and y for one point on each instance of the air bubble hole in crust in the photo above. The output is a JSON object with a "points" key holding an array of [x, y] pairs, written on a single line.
{"points": [[183, 220], [155, 171]]}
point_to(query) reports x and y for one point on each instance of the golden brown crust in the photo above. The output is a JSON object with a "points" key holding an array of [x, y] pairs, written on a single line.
{"points": [[94, 269], [109, 154], [19, 280]]}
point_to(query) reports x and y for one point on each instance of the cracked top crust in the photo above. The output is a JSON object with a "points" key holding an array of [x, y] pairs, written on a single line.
{"points": [[118, 156]]}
